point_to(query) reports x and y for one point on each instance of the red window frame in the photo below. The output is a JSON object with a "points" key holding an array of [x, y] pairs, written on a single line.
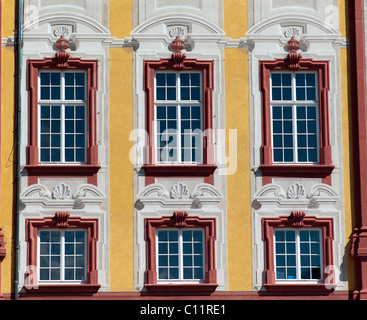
{"points": [[62, 220], [296, 220], [34, 168], [206, 170], [180, 220], [325, 167]]}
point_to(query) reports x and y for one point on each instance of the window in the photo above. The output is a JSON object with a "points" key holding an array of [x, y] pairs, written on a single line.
{"points": [[298, 255], [295, 120], [63, 251], [180, 255], [179, 119], [62, 256], [178, 109], [298, 250], [294, 107], [62, 131], [62, 111]]}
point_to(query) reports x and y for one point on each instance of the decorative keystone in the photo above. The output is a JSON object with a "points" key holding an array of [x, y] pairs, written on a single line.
{"points": [[178, 57], [293, 56], [62, 57]]}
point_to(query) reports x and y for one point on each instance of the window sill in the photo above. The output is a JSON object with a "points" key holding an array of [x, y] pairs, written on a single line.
{"points": [[289, 170], [63, 289], [204, 288], [298, 288], [63, 169], [203, 170]]}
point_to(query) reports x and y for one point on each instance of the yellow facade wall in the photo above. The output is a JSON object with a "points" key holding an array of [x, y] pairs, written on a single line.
{"points": [[7, 144], [238, 204], [121, 170]]}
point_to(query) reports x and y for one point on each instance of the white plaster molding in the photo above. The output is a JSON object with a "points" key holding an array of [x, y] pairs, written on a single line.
{"points": [[61, 191], [296, 191], [180, 191]]}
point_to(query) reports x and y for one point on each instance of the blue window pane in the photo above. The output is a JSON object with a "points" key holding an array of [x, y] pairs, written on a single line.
{"points": [[301, 126], [55, 154], [55, 126], [315, 261], [185, 127], [45, 78], [280, 273], [161, 112], [160, 79], [171, 79], [197, 235], [287, 127], [310, 80], [69, 112], [55, 141], [304, 235], [288, 155], [173, 248], [300, 79], [315, 235], [80, 93], [55, 112], [277, 127], [300, 94], [45, 112], [305, 273], [305, 248], [69, 93], [276, 79], [161, 94], [291, 273], [287, 94], [173, 260], [301, 141], [185, 94], [80, 126], [312, 141], [195, 79], [302, 155], [163, 273], [288, 141], [69, 79], [163, 260], [277, 113], [187, 273], [277, 141], [79, 79], [198, 247], [195, 113], [162, 248], [171, 93], [69, 155], [187, 248], [311, 112], [279, 235], [55, 93], [173, 273], [196, 125], [185, 112], [80, 141], [187, 260], [171, 113], [173, 235], [69, 126], [55, 78], [311, 94], [280, 260], [290, 235], [276, 94], [45, 141], [301, 113], [171, 125], [161, 126], [280, 248], [315, 248], [198, 273], [45, 126], [291, 260], [45, 155], [315, 273], [80, 155], [278, 155], [287, 113], [311, 127], [162, 235], [185, 79], [187, 235], [45, 93], [69, 140], [195, 93], [312, 155], [305, 260], [286, 79], [80, 113], [291, 248]]}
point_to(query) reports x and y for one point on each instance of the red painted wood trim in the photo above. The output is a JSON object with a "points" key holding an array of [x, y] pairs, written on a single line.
{"points": [[359, 132], [33, 67], [325, 168], [209, 226], [206, 67], [91, 226], [268, 225]]}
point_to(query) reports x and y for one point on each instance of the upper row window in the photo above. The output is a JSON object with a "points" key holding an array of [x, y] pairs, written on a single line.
{"points": [[63, 117], [294, 111]]}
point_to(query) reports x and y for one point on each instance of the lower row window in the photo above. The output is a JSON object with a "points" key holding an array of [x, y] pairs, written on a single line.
{"points": [[62, 256], [298, 254], [180, 255]]}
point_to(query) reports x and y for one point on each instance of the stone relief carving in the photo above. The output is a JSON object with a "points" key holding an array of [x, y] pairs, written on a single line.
{"points": [[180, 191], [296, 191], [61, 191]]}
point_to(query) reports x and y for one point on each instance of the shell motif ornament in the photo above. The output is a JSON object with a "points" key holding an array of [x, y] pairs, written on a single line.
{"points": [[296, 191], [61, 191], [180, 191]]}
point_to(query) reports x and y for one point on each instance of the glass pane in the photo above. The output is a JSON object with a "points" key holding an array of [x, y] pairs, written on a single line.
{"points": [[276, 79], [69, 79], [195, 79], [185, 77], [69, 93], [160, 79], [45, 78], [286, 79]]}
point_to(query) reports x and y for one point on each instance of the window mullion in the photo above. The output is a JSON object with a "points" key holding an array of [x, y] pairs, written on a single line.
{"points": [[62, 255], [298, 255], [62, 133]]}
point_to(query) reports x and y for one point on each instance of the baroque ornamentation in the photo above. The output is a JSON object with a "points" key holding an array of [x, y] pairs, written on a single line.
{"points": [[178, 57], [62, 57], [61, 191], [179, 218], [296, 191], [293, 57], [62, 219], [180, 191], [296, 218], [177, 31]]}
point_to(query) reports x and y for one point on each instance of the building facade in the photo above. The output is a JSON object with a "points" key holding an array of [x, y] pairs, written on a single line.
{"points": [[193, 149]]}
